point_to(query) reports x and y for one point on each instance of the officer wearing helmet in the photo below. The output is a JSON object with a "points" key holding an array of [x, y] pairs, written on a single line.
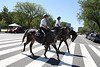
{"points": [[57, 24], [43, 27]]}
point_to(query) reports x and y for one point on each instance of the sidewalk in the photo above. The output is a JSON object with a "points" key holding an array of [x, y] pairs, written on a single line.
{"points": [[3, 30]]}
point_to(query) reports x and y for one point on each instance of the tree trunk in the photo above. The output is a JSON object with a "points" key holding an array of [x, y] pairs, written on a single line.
{"points": [[99, 25]]}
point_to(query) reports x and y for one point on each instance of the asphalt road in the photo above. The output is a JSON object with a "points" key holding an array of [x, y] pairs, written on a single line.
{"points": [[83, 53]]}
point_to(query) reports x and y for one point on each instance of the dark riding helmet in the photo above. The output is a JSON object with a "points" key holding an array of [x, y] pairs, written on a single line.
{"points": [[45, 15], [58, 17]]}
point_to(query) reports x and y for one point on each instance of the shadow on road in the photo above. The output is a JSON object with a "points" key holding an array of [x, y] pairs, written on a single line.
{"points": [[68, 54], [51, 61]]}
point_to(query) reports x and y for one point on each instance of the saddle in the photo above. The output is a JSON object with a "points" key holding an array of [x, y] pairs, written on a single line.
{"points": [[39, 33]]}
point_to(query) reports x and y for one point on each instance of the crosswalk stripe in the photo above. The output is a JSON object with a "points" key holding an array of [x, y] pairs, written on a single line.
{"points": [[66, 61], [88, 61], [99, 46], [9, 41], [17, 57], [8, 45], [68, 58], [95, 50], [38, 61], [12, 49]]}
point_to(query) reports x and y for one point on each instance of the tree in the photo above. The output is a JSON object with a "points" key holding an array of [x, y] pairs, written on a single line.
{"points": [[19, 18], [31, 10], [0, 16], [5, 15], [3, 22], [50, 21], [84, 30], [63, 24], [90, 11]]}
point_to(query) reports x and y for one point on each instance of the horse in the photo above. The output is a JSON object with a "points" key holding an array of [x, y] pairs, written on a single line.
{"points": [[64, 35], [34, 35]]}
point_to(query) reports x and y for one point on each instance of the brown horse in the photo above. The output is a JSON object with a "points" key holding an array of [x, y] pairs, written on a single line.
{"points": [[34, 35], [63, 36], [66, 32]]}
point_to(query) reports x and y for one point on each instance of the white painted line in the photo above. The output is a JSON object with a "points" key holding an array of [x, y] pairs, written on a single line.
{"points": [[95, 50], [99, 46], [9, 41], [13, 49], [86, 41], [10, 60], [68, 58], [88, 61], [38, 62], [8, 45]]}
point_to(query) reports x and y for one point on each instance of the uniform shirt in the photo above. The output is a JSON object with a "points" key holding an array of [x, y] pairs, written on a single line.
{"points": [[57, 22], [43, 21]]}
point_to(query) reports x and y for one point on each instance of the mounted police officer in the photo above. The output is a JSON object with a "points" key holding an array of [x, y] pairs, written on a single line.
{"points": [[57, 24], [43, 27]]}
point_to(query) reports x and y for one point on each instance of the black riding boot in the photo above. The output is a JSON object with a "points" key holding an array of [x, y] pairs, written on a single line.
{"points": [[44, 43]]}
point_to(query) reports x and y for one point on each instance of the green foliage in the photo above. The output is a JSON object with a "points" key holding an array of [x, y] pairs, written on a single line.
{"points": [[30, 11], [0, 16], [84, 30], [50, 21], [25, 14], [90, 12], [5, 15], [63, 24], [3, 22]]}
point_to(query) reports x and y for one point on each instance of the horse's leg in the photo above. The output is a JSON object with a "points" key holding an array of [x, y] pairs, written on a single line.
{"points": [[54, 45], [31, 47], [29, 38], [60, 44], [49, 47], [46, 49], [25, 44], [67, 46]]}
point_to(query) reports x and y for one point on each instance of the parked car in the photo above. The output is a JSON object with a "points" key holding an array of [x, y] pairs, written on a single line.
{"points": [[16, 30], [95, 38], [89, 36]]}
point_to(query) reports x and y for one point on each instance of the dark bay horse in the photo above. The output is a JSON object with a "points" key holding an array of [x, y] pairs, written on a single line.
{"points": [[34, 35], [64, 35]]}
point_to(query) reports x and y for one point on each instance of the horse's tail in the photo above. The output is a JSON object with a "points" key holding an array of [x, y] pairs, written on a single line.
{"points": [[24, 36]]}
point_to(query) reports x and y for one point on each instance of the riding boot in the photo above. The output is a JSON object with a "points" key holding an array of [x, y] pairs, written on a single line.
{"points": [[44, 43]]}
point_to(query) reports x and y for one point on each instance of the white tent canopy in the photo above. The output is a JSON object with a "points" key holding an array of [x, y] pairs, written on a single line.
{"points": [[15, 25]]}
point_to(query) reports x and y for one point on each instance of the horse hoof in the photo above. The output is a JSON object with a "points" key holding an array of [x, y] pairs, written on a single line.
{"points": [[32, 54], [58, 59], [46, 57], [68, 51], [22, 50]]}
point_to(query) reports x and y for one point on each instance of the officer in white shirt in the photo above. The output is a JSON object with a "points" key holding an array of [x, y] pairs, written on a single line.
{"points": [[57, 24], [43, 27]]}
